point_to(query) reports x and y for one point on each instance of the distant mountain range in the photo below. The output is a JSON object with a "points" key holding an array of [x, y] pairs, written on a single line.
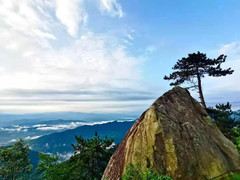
{"points": [[56, 136], [32, 126], [9, 119], [60, 142]]}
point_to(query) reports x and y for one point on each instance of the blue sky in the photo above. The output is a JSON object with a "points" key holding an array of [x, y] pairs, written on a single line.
{"points": [[110, 55]]}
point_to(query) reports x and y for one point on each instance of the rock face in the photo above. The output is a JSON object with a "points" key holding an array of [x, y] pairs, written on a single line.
{"points": [[176, 136]]}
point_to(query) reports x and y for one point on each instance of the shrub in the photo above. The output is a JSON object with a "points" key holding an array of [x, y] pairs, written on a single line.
{"points": [[135, 173]]}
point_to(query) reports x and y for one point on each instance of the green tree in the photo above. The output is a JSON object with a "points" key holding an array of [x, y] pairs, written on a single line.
{"points": [[193, 68], [134, 173], [226, 120], [88, 162], [92, 156], [15, 161], [49, 166]]}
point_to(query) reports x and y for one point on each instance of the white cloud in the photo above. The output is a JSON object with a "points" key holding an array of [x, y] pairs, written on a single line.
{"points": [[130, 37], [13, 140], [16, 128], [232, 50], [71, 125], [24, 18], [112, 7], [94, 62], [37, 54], [57, 127], [40, 125], [71, 13], [31, 137], [225, 88], [111, 146], [66, 156], [96, 59]]}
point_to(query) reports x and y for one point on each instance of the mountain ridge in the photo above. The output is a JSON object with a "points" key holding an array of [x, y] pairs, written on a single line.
{"points": [[60, 142]]}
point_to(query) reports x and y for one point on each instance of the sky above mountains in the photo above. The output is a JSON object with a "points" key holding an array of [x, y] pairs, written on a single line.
{"points": [[110, 55]]}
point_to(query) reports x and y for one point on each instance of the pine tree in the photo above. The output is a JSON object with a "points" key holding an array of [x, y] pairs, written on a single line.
{"points": [[49, 166], [195, 67], [88, 162], [225, 119], [14, 161], [92, 155]]}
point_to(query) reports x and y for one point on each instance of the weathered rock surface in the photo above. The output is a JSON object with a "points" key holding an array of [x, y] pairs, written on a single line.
{"points": [[175, 135]]}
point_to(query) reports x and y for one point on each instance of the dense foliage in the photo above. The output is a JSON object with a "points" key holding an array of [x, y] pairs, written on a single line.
{"points": [[88, 162], [15, 161], [134, 173], [92, 155], [193, 68], [49, 166], [227, 121]]}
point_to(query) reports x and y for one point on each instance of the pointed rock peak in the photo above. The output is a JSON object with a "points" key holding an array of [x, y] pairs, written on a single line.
{"points": [[176, 136]]}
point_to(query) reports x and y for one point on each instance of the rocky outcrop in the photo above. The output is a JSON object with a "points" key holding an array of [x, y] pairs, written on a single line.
{"points": [[176, 136]]}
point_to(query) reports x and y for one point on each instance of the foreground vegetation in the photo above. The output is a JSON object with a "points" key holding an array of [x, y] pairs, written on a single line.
{"points": [[135, 173], [88, 162], [227, 121], [15, 161]]}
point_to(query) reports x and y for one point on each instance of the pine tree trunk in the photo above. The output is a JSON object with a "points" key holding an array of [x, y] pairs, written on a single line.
{"points": [[201, 93]]}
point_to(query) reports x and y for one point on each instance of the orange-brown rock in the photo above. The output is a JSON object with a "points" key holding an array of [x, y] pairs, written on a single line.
{"points": [[175, 135]]}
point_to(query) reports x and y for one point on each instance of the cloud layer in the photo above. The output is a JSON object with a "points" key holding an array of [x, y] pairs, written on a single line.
{"points": [[226, 88], [71, 14], [49, 52], [112, 7]]}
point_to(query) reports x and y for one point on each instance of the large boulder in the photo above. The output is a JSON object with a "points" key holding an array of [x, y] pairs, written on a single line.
{"points": [[176, 136]]}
